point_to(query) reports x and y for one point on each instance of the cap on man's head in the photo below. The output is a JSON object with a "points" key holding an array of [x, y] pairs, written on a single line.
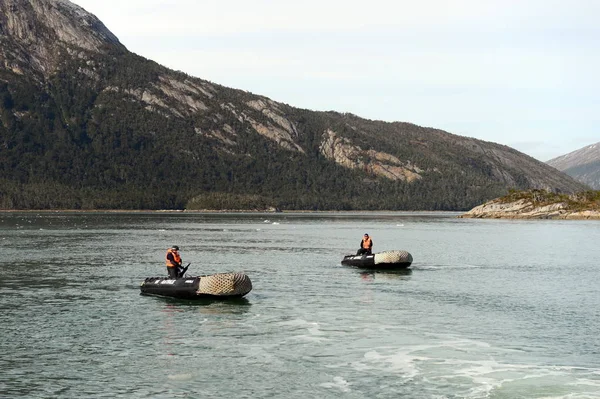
{"points": [[175, 247], [366, 235]]}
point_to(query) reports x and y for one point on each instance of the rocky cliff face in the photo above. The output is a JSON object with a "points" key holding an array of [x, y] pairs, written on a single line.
{"points": [[341, 151], [36, 33], [524, 209], [582, 164], [539, 204], [585, 155]]}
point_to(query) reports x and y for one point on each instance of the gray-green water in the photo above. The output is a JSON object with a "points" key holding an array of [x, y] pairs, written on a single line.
{"points": [[489, 309]]}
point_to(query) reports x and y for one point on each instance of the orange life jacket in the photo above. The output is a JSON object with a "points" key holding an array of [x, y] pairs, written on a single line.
{"points": [[176, 258], [366, 243]]}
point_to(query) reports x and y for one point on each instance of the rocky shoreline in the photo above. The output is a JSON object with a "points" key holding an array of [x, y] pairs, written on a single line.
{"points": [[526, 209]]}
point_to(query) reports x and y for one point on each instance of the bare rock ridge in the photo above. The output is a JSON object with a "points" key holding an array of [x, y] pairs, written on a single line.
{"points": [[341, 151], [585, 155], [582, 164], [40, 26], [539, 205], [29, 21]]}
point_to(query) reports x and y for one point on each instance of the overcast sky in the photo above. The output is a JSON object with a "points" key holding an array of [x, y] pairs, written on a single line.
{"points": [[524, 73]]}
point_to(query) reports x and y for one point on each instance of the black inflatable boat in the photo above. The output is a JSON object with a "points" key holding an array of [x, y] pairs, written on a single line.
{"points": [[381, 260], [216, 286]]}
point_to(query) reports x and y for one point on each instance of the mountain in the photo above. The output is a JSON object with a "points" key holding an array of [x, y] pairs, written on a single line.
{"points": [[582, 164], [86, 124]]}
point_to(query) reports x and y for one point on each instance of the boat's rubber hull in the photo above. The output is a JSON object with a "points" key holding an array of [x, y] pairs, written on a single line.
{"points": [[216, 286], [382, 260]]}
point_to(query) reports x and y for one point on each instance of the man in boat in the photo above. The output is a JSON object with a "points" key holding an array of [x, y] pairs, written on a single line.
{"points": [[366, 246], [173, 261]]}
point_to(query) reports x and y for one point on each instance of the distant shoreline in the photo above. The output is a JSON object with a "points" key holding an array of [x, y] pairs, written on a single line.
{"points": [[569, 216], [203, 211], [539, 204]]}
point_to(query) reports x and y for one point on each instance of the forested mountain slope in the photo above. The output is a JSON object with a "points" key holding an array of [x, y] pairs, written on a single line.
{"points": [[86, 124]]}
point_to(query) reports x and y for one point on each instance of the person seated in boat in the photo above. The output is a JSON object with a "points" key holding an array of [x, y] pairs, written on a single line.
{"points": [[173, 262], [366, 246]]}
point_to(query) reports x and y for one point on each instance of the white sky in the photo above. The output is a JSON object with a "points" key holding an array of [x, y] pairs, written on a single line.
{"points": [[524, 73]]}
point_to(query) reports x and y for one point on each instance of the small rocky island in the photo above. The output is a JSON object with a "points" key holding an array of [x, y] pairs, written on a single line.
{"points": [[540, 204]]}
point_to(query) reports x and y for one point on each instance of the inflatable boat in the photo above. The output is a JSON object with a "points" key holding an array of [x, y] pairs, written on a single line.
{"points": [[381, 260], [213, 286]]}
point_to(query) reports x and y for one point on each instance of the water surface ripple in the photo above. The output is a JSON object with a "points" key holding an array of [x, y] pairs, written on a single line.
{"points": [[489, 309]]}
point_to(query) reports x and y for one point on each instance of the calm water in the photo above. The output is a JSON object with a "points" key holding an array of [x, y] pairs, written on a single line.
{"points": [[489, 309]]}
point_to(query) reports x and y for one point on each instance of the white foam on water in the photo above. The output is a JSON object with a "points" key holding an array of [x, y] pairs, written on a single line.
{"points": [[338, 383], [314, 329], [590, 395], [180, 377], [473, 367], [308, 338], [314, 333], [295, 322], [401, 363], [570, 396]]}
